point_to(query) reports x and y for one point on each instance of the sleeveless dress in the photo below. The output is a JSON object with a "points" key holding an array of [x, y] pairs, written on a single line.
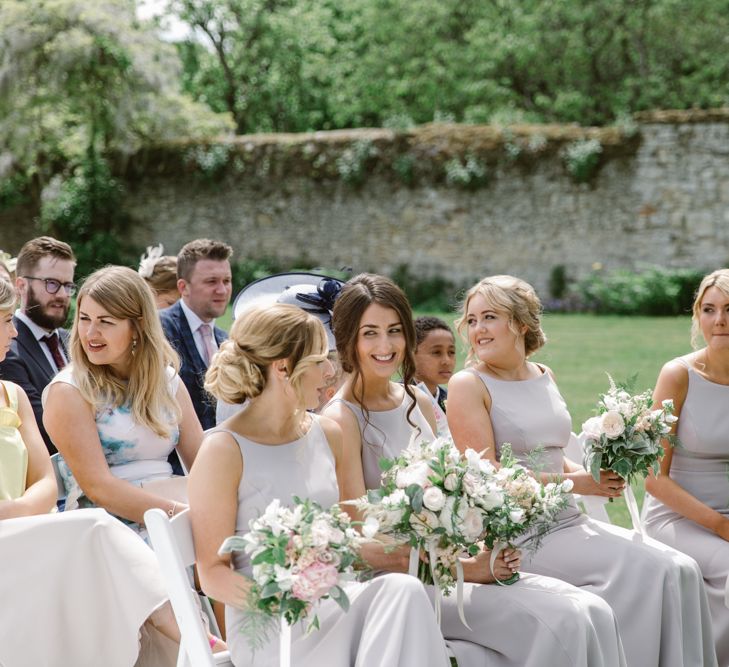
{"points": [[13, 454], [701, 466], [535, 622], [132, 451], [656, 592], [76, 587], [389, 623]]}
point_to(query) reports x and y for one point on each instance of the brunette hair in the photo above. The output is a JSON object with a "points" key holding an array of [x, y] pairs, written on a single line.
{"points": [[718, 279], [44, 246], [126, 296], [356, 296], [260, 336], [164, 275], [191, 253], [516, 298]]}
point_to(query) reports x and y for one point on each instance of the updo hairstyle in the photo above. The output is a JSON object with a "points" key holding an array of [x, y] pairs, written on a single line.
{"points": [[718, 279], [260, 336], [518, 300]]}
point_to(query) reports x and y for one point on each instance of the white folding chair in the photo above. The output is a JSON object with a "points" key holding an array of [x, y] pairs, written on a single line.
{"points": [[175, 549], [594, 505]]}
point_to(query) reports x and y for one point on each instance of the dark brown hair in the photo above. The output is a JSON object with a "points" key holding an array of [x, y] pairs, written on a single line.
{"points": [[191, 253], [426, 323], [36, 249], [356, 296]]}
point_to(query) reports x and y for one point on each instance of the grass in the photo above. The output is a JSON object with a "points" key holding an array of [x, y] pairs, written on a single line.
{"points": [[582, 348]]}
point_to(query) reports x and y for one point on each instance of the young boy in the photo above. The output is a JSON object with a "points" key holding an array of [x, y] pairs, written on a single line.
{"points": [[435, 361]]}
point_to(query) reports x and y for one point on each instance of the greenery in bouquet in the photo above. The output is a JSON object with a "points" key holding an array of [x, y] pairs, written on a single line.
{"points": [[626, 434], [299, 556], [529, 507], [447, 505]]}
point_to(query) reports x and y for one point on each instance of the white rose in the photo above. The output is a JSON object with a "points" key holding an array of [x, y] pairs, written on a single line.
{"points": [[370, 527], [517, 516], [473, 458], [612, 424], [592, 428], [413, 474], [424, 523], [491, 497], [472, 525], [451, 481], [470, 483], [434, 498], [321, 533]]}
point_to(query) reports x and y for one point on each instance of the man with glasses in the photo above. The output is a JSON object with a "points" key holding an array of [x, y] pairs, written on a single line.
{"points": [[45, 284]]}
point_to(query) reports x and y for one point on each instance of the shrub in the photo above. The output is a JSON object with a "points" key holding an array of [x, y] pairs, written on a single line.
{"points": [[654, 291], [426, 292], [86, 211], [470, 174], [582, 159], [352, 163]]}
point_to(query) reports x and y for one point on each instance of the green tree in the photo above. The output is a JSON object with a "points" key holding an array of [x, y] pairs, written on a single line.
{"points": [[264, 61], [81, 82]]}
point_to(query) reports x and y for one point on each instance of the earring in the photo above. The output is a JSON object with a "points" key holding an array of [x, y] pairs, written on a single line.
{"points": [[134, 346]]}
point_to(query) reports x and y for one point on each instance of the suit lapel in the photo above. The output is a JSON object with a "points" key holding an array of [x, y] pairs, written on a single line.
{"points": [[30, 349]]}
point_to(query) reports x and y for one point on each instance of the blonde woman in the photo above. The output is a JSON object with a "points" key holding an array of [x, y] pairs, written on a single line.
{"points": [[128, 406], [78, 588], [276, 359], [160, 273], [688, 505], [656, 592]]}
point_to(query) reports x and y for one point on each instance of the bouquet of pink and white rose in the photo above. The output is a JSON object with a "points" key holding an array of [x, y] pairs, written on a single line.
{"points": [[625, 436], [529, 507], [447, 505], [299, 556]]}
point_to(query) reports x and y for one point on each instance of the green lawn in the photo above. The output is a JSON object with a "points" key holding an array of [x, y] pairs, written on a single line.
{"points": [[582, 348]]}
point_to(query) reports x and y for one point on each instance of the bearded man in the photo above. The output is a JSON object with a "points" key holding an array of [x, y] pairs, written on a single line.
{"points": [[45, 285]]}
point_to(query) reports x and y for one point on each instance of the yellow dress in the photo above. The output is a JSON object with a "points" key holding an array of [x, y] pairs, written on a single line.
{"points": [[13, 454]]}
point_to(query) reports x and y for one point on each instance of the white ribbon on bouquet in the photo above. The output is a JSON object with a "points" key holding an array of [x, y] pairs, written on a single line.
{"points": [[432, 558], [285, 644]]}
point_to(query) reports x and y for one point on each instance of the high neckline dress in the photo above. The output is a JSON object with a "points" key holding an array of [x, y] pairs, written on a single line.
{"points": [[700, 464], [390, 622], [535, 622], [655, 591]]}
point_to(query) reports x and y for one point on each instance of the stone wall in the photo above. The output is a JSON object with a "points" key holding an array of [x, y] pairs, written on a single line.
{"points": [[659, 196]]}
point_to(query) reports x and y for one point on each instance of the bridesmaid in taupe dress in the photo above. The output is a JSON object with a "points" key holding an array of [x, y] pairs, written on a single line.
{"points": [[656, 592], [688, 505]]}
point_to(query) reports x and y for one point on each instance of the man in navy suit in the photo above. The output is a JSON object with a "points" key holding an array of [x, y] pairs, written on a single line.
{"points": [[44, 282], [205, 283]]}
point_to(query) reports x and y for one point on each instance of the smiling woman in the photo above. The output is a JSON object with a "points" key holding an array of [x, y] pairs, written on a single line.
{"points": [[130, 408]]}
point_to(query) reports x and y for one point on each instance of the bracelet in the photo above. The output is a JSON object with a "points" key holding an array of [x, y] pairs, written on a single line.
{"points": [[171, 511]]}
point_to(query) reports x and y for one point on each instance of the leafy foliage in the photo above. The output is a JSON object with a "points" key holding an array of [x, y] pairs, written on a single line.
{"points": [[654, 291], [320, 64]]}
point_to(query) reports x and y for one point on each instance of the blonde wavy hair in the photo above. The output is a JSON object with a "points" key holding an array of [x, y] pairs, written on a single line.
{"points": [[518, 300], [259, 337], [125, 295], [718, 279], [8, 296]]}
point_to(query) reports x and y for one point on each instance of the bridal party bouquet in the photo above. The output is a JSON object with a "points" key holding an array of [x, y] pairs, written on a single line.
{"points": [[625, 435], [529, 508], [446, 505], [299, 556]]}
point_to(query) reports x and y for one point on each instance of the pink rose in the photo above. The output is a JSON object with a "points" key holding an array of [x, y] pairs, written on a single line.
{"points": [[315, 581]]}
